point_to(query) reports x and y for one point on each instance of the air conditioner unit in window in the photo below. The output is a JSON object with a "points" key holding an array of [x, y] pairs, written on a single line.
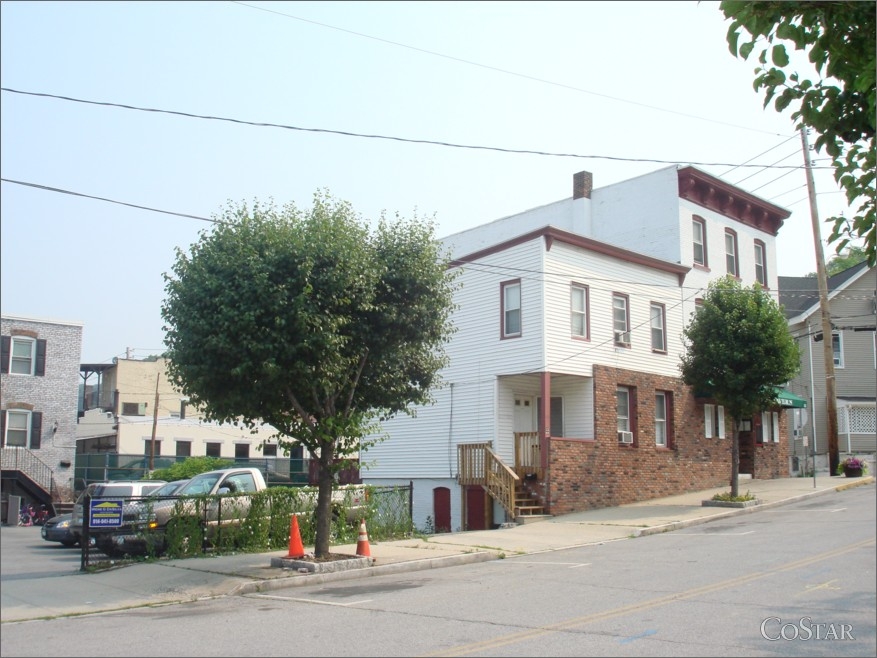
{"points": [[625, 437], [622, 337]]}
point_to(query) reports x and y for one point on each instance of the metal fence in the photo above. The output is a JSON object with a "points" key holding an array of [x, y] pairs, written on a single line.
{"points": [[259, 522], [104, 467]]}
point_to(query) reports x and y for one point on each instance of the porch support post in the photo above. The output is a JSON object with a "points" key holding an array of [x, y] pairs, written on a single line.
{"points": [[545, 412]]}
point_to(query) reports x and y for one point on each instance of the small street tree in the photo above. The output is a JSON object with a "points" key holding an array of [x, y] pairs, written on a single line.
{"points": [[738, 347], [310, 321]]}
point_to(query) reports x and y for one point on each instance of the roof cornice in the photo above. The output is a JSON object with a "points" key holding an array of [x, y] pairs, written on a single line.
{"points": [[713, 193], [552, 234]]}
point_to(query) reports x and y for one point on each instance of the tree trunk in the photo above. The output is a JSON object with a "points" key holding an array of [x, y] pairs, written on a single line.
{"points": [[735, 461], [325, 480]]}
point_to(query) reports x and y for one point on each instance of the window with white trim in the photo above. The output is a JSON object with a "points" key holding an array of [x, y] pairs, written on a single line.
{"points": [[511, 309], [622, 405], [184, 448], [760, 263], [578, 311], [837, 348], [731, 253], [714, 421], [17, 429], [621, 319], [769, 431], [659, 343], [661, 419], [698, 230]]}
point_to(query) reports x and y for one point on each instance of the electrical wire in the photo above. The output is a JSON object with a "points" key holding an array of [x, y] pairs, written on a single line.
{"points": [[507, 72], [347, 133]]}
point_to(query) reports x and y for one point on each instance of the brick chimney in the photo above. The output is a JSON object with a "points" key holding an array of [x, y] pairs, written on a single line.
{"points": [[582, 184]]}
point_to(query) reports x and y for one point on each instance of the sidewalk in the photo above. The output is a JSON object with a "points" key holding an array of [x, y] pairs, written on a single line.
{"points": [[173, 581]]}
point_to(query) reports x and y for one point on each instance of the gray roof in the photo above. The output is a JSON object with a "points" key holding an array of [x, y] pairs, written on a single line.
{"points": [[800, 293]]}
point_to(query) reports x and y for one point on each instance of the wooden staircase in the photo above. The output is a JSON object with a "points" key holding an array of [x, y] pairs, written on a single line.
{"points": [[527, 507], [480, 465]]}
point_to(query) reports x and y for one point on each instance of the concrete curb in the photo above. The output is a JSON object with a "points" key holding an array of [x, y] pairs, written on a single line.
{"points": [[297, 580], [669, 527]]}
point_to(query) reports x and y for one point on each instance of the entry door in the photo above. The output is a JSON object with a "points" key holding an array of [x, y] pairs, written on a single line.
{"points": [[441, 507], [525, 414], [478, 509]]}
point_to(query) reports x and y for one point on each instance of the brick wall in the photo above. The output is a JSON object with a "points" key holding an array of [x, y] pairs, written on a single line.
{"points": [[590, 474], [55, 394]]}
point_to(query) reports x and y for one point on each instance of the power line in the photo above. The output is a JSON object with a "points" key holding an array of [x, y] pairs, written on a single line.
{"points": [[263, 124], [99, 198], [507, 72]]}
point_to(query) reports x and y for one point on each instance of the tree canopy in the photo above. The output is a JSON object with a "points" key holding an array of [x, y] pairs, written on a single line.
{"points": [[738, 349], [313, 321], [842, 261], [839, 105]]}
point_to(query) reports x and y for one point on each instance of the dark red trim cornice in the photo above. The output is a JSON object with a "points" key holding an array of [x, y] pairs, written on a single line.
{"points": [[552, 234], [710, 192]]}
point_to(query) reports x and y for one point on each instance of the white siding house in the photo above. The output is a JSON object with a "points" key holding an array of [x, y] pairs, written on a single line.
{"points": [[565, 363]]}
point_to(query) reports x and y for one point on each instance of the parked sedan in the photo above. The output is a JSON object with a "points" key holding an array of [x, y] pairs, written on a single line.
{"points": [[58, 529]]}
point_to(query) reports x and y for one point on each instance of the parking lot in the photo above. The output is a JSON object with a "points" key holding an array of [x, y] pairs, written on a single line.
{"points": [[26, 554]]}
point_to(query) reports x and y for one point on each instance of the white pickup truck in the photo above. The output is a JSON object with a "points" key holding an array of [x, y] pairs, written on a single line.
{"points": [[210, 501]]}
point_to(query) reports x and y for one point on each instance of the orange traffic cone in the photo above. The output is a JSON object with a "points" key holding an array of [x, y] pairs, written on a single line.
{"points": [[362, 548], [296, 550]]}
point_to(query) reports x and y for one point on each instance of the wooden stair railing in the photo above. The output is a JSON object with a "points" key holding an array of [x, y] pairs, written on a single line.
{"points": [[479, 464]]}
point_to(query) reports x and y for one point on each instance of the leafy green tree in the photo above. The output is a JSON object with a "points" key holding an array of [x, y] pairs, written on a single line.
{"points": [[189, 468], [843, 261], [738, 347], [314, 322], [839, 105]]}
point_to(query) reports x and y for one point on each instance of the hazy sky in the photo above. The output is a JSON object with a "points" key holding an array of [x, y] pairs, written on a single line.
{"points": [[634, 86]]}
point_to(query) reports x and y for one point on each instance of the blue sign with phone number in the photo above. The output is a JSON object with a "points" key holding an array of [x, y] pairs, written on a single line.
{"points": [[105, 513]]}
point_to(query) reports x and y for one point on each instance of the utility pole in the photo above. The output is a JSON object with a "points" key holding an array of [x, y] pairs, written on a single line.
{"points": [[154, 427], [827, 336]]}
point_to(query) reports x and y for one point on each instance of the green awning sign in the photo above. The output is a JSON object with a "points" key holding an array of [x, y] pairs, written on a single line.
{"points": [[790, 400]]}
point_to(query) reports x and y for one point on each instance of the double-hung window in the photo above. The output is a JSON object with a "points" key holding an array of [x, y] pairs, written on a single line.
{"points": [[659, 342], [17, 429], [621, 319], [731, 253], [662, 415], [511, 308], [837, 348], [714, 421], [23, 355], [770, 427], [578, 311], [698, 230], [622, 403], [760, 263], [21, 428]]}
